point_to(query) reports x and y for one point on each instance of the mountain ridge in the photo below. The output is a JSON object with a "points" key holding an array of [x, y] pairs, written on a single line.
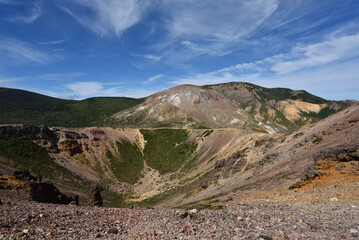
{"points": [[235, 104], [228, 105]]}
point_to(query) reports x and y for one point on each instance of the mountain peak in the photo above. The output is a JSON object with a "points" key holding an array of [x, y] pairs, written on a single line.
{"points": [[235, 104]]}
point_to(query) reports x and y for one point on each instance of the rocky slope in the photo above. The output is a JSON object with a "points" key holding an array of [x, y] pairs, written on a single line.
{"points": [[179, 167], [29, 220], [230, 105]]}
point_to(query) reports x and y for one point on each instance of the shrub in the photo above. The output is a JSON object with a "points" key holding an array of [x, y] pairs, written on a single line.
{"points": [[317, 140]]}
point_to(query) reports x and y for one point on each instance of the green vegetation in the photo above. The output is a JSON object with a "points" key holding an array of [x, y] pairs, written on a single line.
{"points": [[167, 149], [317, 140], [265, 237], [207, 133], [186, 214], [174, 192], [282, 120], [247, 178], [324, 113], [27, 155], [297, 135], [205, 205], [128, 167], [17, 106], [284, 93], [98, 168], [113, 199]]}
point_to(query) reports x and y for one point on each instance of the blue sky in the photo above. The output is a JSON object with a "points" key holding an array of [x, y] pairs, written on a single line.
{"points": [[83, 48]]}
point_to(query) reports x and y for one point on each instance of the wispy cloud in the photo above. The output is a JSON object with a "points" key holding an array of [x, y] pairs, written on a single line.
{"points": [[61, 76], [153, 79], [106, 17], [152, 57], [337, 48], [84, 89], [55, 42], [22, 52], [9, 81], [315, 62], [81, 90], [30, 12], [212, 27]]}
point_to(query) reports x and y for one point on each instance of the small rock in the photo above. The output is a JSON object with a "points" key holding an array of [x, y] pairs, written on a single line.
{"points": [[113, 231], [333, 199], [26, 231], [340, 167], [354, 232], [19, 234], [184, 229], [193, 211]]}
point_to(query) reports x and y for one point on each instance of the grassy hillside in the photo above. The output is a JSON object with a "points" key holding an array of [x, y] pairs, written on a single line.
{"points": [[284, 94], [24, 154], [18, 106], [167, 150]]}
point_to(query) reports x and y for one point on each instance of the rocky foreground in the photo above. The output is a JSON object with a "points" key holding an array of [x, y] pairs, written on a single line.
{"points": [[22, 219]]}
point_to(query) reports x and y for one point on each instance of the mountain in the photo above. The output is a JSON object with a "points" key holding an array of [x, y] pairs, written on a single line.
{"points": [[23, 107], [193, 168], [230, 105], [169, 157]]}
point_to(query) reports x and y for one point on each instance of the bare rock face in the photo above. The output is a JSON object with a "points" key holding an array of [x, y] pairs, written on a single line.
{"points": [[95, 196], [46, 192], [71, 146], [35, 189]]}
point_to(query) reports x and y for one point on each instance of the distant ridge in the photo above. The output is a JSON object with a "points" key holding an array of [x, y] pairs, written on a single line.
{"points": [[24, 107], [228, 105]]}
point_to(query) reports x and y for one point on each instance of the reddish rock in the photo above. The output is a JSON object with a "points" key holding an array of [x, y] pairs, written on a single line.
{"points": [[113, 231]]}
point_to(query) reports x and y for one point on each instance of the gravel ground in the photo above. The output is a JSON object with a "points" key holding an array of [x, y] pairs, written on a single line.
{"points": [[21, 219]]}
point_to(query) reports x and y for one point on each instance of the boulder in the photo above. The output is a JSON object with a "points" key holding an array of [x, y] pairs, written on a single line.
{"points": [[95, 196], [46, 192]]}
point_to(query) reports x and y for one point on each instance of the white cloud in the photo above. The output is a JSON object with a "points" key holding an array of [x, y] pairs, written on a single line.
{"points": [[30, 13], [317, 54], [153, 79], [213, 27], [61, 76], [106, 17], [9, 81], [152, 57], [316, 67], [21, 52], [55, 42], [84, 89], [12, 2]]}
